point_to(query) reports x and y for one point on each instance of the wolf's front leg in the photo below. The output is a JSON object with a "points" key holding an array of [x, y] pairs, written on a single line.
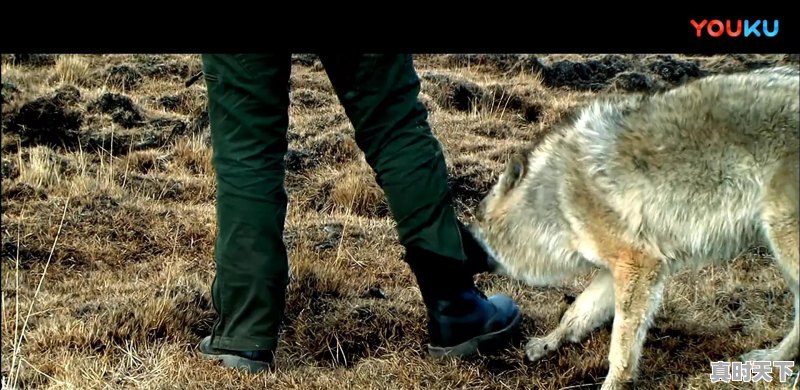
{"points": [[638, 287], [593, 307]]}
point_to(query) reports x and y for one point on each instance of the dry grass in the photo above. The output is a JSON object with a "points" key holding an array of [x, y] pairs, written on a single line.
{"points": [[108, 228]]}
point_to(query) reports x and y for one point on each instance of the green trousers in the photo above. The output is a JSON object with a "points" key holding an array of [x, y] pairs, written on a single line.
{"points": [[248, 101]]}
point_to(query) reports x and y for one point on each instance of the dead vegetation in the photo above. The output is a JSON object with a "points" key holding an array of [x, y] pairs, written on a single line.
{"points": [[108, 228]]}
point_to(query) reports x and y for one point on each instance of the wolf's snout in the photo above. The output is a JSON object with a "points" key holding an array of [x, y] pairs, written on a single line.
{"points": [[477, 250]]}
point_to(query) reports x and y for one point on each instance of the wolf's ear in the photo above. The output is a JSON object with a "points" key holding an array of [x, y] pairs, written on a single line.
{"points": [[515, 171]]}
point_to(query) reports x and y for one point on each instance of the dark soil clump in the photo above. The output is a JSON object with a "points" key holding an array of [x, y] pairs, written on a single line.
{"points": [[311, 98], [492, 129], [14, 251], [9, 92], [121, 108], [505, 63], [335, 148], [49, 121], [299, 160], [634, 82], [501, 62], [35, 60], [590, 75], [158, 67], [170, 102], [9, 170], [68, 94], [124, 76], [305, 59], [21, 192], [453, 93], [675, 71]]}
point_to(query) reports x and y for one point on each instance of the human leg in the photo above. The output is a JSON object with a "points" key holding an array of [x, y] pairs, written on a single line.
{"points": [[380, 96], [248, 113]]}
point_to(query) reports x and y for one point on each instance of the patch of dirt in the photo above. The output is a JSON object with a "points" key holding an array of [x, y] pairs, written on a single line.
{"points": [[35, 60], [305, 59], [497, 129], [310, 81], [161, 67], [13, 251], [189, 102], [148, 161], [121, 108], [103, 230], [454, 93], [634, 82], [695, 346], [589, 75], [505, 63], [9, 92], [22, 192], [335, 148], [48, 120], [9, 169], [149, 134], [311, 98], [299, 160], [199, 123], [501, 62], [338, 330], [675, 71], [68, 94], [594, 74], [500, 99], [329, 235], [124, 76], [380, 326], [458, 94], [167, 189], [169, 102], [137, 317]]}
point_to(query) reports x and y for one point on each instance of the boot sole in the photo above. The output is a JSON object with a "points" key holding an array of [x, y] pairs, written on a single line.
{"points": [[479, 343], [238, 362]]}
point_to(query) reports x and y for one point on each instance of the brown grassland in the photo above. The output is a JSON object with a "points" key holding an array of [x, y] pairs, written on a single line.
{"points": [[108, 231]]}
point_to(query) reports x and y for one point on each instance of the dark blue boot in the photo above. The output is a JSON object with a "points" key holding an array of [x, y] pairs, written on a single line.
{"points": [[469, 322], [461, 319]]}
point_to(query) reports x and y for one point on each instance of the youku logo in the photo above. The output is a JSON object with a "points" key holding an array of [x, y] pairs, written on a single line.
{"points": [[736, 28]]}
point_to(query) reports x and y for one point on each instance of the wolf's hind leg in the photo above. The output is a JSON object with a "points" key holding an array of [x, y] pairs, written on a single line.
{"points": [[782, 229]]}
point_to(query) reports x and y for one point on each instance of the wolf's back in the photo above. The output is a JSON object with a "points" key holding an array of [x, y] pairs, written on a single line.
{"points": [[728, 123], [689, 166]]}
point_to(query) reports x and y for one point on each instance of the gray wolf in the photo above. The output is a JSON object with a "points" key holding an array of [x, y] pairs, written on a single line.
{"points": [[643, 185]]}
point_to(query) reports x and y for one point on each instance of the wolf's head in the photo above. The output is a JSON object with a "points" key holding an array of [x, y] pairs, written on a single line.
{"points": [[497, 202], [490, 224]]}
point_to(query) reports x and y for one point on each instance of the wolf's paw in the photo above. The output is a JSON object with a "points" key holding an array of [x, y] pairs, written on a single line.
{"points": [[539, 347], [610, 384]]}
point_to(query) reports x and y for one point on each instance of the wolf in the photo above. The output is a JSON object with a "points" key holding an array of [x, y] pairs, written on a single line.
{"points": [[640, 186]]}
